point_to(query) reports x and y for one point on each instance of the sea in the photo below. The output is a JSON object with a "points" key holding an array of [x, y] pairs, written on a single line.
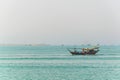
{"points": [[23, 62]]}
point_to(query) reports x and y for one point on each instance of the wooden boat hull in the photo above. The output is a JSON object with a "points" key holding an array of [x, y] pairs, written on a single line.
{"points": [[84, 53]]}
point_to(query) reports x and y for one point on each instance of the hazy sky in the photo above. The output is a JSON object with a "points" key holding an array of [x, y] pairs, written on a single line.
{"points": [[60, 21]]}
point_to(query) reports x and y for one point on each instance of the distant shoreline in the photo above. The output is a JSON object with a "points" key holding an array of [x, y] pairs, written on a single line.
{"points": [[24, 44], [57, 45]]}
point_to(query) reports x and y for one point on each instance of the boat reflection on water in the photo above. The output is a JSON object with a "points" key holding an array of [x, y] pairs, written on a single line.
{"points": [[84, 51]]}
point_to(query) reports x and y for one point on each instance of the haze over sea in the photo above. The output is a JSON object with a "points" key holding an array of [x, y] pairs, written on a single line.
{"points": [[56, 63]]}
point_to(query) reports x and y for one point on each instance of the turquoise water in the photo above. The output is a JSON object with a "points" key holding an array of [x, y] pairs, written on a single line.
{"points": [[56, 63]]}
